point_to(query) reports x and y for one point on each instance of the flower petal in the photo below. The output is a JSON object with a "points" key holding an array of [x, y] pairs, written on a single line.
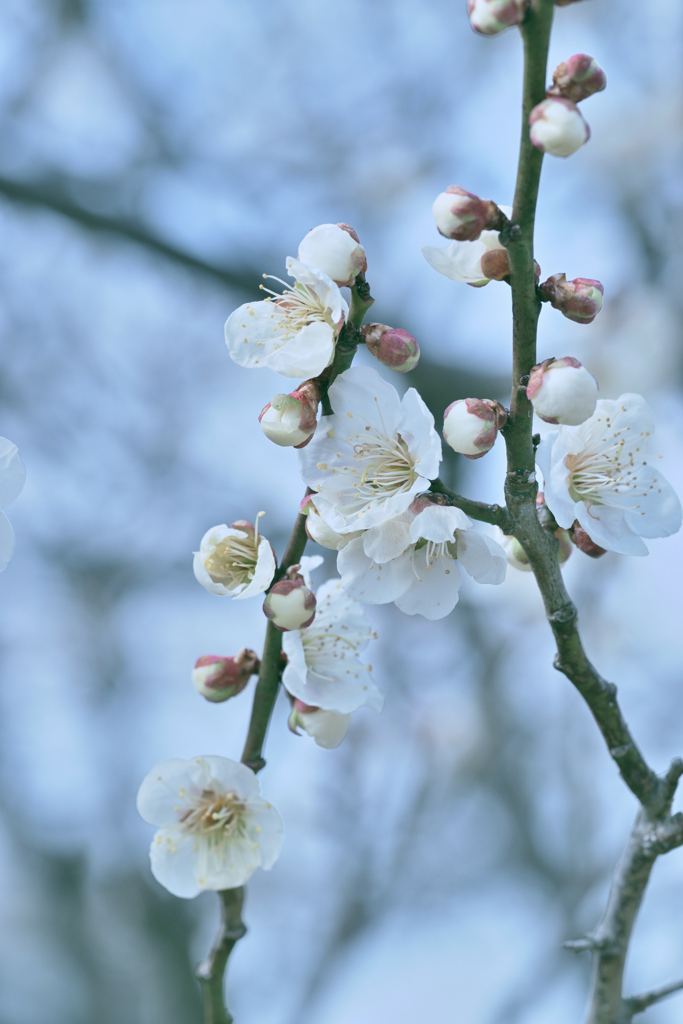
{"points": [[373, 582], [434, 590], [12, 472], [481, 557], [6, 541]]}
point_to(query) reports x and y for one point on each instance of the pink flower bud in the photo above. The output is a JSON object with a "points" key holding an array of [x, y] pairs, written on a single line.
{"points": [[327, 728], [578, 78], [562, 391], [334, 249], [461, 215], [393, 346], [290, 420], [218, 679], [489, 17], [579, 300], [471, 425], [580, 538], [289, 604], [557, 127]]}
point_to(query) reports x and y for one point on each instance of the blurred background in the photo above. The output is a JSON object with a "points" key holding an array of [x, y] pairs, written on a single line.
{"points": [[156, 158]]}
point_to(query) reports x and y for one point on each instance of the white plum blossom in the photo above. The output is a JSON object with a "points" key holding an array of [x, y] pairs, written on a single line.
{"points": [[557, 127], [327, 728], [293, 333], [598, 473], [323, 668], [373, 455], [334, 249], [234, 561], [415, 560], [562, 391], [12, 479], [215, 828], [476, 263], [318, 531]]}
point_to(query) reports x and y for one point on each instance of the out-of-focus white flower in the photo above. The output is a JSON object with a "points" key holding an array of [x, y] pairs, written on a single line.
{"points": [[562, 391], [489, 17], [598, 473], [471, 425], [215, 828], [290, 420], [578, 78], [557, 127], [293, 333], [579, 300], [476, 263], [373, 455], [12, 479], [323, 668], [327, 728], [416, 563], [392, 346], [460, 214], [235, 560], [336, 250], [289, 604], [318, 530], [217, 679]]}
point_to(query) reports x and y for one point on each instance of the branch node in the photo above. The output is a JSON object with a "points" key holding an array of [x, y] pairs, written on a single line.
{"points": [[566, 613], [624, 749], [670, 782]]}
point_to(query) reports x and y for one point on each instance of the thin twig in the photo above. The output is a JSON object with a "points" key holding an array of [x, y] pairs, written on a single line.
{"points": [[496, 515], [636, 1004], [211, 972]]}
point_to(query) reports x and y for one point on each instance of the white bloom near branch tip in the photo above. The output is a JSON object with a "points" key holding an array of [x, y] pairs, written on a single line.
{"points": [[215, 828], [368, 460], [234, 561], [12, 479], [293, 333], [476, 262], [336, 250], [598, 473], [415, 560], [323, 668]]}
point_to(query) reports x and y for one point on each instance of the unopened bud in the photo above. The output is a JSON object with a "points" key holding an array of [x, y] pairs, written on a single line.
{"points": [[290, 420], [489, 17], [579, 300], [557, 127], [327, 728], [495, 264], [334, 249], [515, 553], [462, 215], [583, 542], [393, 346], [218, 679], [471, 425], [319, 531], [562, 391], [289, 604], [578, 78]]}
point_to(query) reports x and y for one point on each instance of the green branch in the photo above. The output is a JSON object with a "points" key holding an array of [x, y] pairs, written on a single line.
{"points": [[493, 514], [211, 972]]}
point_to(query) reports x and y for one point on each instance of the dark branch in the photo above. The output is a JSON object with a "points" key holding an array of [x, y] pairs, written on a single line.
{"points": [[211, 972], [636, 1004], [493, 514]]}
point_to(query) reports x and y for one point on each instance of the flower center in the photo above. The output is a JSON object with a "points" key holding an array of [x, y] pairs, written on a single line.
{"points": [[437, 549], [213, 814], [387, 467], [606, 472], [233, 560], [297, 306]]}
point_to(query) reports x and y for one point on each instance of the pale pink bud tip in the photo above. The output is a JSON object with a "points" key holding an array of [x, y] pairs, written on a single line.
{"points": [[578, 78], [562, 391], [471, 425], [580, 538], [489, 17], [393, 346], [557, 127], [289, 604], [463, 216], [217, 679], [579, 300], [290, 420], [334, 249]]}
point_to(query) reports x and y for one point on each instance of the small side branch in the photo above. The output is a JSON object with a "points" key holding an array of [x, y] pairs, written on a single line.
{"points": [[496, 515], [636, 1004], [211, 972]]}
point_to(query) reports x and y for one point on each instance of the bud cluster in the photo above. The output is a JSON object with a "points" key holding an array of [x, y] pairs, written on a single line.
{"points": [[579, 300], [556, 124]]}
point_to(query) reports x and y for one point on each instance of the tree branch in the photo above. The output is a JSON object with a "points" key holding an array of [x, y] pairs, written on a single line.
{"points": [[211, 972], [493, 514], [636, 1004]]}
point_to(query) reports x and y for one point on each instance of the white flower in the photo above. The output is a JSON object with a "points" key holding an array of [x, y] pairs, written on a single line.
{"points": [[234, 560], [415, 560], [215, 829], [476, 262], [293, 333], [562, 391], [334, 249], [598, 473], [323, 668], [327, 728], [369, 459], [318, 530], [12, 478], [558, 127]]}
